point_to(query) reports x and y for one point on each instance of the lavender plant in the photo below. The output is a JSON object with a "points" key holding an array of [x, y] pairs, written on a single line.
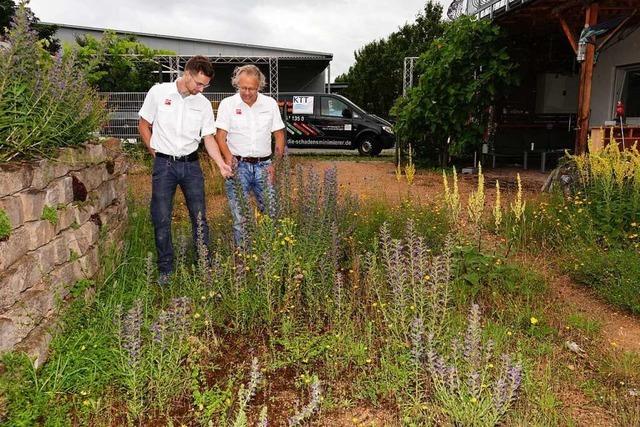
{"points": [[412, 283], [246, 393], [263, 421], [44, 103], [307, 411], [172, 321], [129, 334], [470, 388]]}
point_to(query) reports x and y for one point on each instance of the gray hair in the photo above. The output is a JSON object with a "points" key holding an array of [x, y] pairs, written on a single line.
{"points": [[249, 70]]}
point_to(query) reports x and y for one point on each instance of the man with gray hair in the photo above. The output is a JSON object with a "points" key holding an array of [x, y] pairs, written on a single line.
{"points": [[245, 123]]}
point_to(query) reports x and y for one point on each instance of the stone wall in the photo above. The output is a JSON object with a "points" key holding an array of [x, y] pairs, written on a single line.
{"points": [[63, 213]]}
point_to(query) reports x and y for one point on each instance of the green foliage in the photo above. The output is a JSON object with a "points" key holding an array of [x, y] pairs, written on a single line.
{"points": [[596, 228], [461, 75], [44, 103], [117, 63], [428, 220], [50, 213], [5, 225], [614, 274], [375, 80], [587, 325]]}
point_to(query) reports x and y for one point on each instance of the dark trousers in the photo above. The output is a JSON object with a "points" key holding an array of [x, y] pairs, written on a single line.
{"points": [[167, 175]]}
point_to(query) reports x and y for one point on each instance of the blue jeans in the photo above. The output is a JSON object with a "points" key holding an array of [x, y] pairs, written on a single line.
{"points": [[252, 178], [167, 175]]}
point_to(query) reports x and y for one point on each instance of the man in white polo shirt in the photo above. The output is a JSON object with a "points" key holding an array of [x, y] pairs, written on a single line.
{"points": [[173, 119], [245, 124]]}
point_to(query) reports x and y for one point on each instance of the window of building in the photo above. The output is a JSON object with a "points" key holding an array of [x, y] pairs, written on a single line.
{"points": [[628, 91]]}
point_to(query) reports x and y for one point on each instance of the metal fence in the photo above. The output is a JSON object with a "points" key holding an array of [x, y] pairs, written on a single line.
{"points": [[123, 112]]}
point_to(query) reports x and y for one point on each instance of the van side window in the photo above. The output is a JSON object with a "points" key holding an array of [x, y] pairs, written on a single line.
{"points": [[332, 107]]}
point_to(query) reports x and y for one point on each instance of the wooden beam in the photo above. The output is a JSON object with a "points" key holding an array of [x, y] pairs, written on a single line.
{"points": [[586, 77], [569, 34]]}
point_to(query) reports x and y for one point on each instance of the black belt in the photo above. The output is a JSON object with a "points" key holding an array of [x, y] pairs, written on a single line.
{"points": [[252, 159], [192, 157]]}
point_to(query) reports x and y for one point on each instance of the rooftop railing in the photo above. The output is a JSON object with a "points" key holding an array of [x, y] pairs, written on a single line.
{"points": [[490, 8]]}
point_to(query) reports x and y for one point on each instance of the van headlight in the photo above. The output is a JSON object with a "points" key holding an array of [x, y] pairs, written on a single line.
{"points": [[387, 129]]}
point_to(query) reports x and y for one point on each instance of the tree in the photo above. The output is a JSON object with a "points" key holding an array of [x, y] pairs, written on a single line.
{"points": [[375, 80], [7, 10], [462, 74], [117, 63], [46, 33]]}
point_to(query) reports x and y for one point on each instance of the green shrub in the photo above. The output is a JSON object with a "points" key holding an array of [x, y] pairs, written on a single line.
{"points": [[5, 225], [45, 103]]}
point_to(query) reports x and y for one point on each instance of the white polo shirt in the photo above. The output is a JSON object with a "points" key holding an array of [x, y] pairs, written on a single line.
{"points": [[178, 123], [249, 128]]}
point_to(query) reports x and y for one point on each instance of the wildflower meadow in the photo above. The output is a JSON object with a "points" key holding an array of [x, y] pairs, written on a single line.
{"points": [[485, 303], [416, 314]]}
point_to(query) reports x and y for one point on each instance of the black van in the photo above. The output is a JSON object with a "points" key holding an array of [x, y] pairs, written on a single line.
{"points": [[325, 120]]}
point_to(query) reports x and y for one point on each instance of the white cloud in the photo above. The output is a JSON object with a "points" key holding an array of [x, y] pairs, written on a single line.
{"points": [[335, 26]]}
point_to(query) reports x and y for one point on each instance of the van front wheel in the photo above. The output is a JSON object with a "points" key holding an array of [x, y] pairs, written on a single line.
{"points": [[368, 146]]}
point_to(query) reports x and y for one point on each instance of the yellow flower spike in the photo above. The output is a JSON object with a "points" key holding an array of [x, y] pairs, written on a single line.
{"points": [[497, 208], [533, 320]]}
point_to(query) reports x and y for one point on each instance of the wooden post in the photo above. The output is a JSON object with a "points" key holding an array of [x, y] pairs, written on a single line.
{"points": [[586, 76]]}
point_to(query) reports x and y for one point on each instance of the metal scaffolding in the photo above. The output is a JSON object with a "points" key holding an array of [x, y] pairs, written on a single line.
{"points": [[172, 66], [407, 80], [273, 76]]}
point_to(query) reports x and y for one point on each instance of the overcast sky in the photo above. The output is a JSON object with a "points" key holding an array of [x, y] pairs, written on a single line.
{"points": [[334, 26]]}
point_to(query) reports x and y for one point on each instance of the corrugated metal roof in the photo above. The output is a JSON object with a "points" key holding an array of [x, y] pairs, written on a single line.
{"points": [[293, 52]]}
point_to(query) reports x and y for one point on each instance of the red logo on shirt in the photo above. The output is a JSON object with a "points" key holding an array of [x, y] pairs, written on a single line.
{"points": [[167, 101], [238, 111]]}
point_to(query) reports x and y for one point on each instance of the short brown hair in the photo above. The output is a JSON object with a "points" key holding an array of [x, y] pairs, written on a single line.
{"points": [[200, 64]]}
